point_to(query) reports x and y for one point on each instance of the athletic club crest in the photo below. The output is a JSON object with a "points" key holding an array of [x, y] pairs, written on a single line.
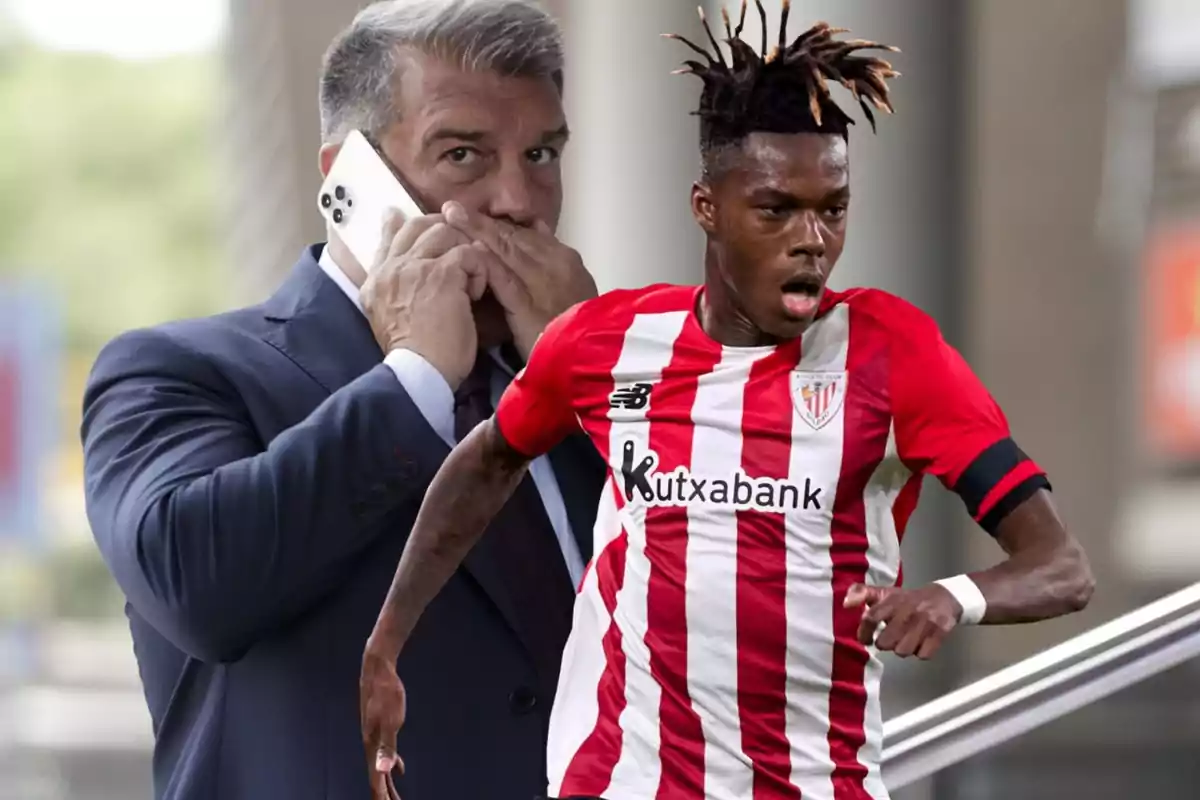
{"points": [[818, 396]]}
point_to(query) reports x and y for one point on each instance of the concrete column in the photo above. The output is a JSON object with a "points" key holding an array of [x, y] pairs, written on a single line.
{"points": [[273, 56], [1050, 314], [633, 152]]}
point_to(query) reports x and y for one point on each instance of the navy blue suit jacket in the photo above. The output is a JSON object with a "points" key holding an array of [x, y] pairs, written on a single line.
{"points": [[251, 479]]}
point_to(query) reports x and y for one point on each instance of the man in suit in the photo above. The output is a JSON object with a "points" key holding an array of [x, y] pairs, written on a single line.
{"points": [[251, 477]]}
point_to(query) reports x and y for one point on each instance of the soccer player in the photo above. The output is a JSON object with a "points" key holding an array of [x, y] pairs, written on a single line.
{"points": [[766, 438]]}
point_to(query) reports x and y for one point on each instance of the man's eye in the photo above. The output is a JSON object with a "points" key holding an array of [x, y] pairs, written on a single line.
{"points": [[460, 155], [836, 212], [543, 155]]}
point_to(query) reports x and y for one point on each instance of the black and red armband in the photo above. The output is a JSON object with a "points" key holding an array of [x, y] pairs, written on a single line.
{"points": [[997, 481]]}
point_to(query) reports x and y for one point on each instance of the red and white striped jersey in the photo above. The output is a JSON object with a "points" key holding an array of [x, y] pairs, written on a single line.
{"points": [[748, 488]]}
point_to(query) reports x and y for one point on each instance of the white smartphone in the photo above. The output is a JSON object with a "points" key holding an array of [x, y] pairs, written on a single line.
{"points": [[357, 195]]}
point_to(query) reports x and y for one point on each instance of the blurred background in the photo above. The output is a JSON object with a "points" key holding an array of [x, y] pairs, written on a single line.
{"points": [[1038, 191]]}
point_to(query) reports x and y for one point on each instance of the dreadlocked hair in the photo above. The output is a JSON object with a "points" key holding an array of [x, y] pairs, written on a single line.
{"points": [[785, 90]]}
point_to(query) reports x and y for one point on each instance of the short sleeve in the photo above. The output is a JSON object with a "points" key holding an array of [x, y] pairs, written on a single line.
{"points": [[535, 412], [948, 425]]}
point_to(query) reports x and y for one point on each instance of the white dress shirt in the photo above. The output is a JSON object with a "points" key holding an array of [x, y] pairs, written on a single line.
{"points": [[435, 400]]}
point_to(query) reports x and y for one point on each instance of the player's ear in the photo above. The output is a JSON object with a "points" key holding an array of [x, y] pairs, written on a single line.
{"points": [[326, 156], [704, 207]]}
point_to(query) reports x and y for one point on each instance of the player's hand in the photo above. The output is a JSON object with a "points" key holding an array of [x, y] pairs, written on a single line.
{"points": [[381, 710], [535, 276], [915, 622], [419, 291]]}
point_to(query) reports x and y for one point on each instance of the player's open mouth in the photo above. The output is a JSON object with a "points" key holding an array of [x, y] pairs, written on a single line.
{"points": [[801, 296]]}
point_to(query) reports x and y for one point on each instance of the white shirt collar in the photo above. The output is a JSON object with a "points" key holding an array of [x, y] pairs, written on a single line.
{"points": [[336, 275], [330, 268]]}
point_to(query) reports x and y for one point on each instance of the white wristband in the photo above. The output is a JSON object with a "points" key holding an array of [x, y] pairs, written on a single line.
{"points": [[974, 606]]}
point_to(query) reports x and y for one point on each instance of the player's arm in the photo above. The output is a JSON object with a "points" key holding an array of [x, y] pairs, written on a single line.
{"points": [[948, 425], [1046, 573], [474, 482]]}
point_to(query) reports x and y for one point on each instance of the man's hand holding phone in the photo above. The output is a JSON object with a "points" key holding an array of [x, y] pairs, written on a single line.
{"points": [[418, 292], [533, 275]]}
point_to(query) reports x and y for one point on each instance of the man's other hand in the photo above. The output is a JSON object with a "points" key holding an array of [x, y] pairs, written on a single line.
{"points": [[534, 275], [914, 622], [381, 708], [418, 294]]}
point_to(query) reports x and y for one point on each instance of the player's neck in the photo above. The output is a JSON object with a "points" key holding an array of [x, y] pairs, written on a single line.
{"points": [[720, 315], [724, 322]]}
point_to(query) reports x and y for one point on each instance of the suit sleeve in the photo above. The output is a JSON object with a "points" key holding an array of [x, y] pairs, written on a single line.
{"points": [[535, 412], [948, 425], [217, 538]]}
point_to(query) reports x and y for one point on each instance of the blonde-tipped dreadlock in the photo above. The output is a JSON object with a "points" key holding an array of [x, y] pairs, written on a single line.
{"points": [[784, 90]]}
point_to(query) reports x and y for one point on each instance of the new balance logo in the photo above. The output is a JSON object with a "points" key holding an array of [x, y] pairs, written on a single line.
{"points": [[737, 490], [634, 397]]}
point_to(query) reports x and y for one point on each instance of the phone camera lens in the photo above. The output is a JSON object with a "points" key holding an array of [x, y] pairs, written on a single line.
{"points": [[337, 215], [326, 200], [340, 192]]}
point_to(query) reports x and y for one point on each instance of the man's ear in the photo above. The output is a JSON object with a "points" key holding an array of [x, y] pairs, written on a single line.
{"points": [[326, 156], [704, 207]]}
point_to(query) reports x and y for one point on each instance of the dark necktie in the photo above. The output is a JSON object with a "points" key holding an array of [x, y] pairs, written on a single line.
{"points": [[520, 545], [473, 400]]}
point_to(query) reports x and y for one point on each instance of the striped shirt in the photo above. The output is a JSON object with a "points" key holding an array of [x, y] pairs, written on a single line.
{"points": [[748, 489]]}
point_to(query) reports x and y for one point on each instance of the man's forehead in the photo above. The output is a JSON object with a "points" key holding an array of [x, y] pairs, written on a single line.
{"points": [[436, 94]]}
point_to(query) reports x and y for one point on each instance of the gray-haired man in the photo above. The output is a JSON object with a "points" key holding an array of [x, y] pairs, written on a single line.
{"points": [[252, 477]]}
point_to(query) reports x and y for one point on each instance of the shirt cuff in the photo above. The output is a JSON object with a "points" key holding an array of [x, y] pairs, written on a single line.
{"points": [[428, 390]]}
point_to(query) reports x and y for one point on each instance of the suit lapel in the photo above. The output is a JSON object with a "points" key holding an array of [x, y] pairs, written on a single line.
{"points": [[519, 564], [321, 330], [579, 470], [581, 475], [519, 561], [523, 572]]}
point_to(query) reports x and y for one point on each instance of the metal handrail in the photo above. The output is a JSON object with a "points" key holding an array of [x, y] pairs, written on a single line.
{"points": [[1042, 688]]}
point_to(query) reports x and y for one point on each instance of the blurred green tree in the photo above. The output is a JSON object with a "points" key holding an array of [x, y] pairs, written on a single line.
{"points": [[109, 188], [110, 177]]}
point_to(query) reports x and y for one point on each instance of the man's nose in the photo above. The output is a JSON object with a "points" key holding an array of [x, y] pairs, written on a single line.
{"points": [[512, 196], [808, 240]]}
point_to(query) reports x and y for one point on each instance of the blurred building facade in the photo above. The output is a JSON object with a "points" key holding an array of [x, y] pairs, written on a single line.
{"points": [[1038, 148]]}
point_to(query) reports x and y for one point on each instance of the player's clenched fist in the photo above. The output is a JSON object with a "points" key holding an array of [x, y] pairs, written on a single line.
{"points": [[914, 622], [382, 710], [419, 291]]}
